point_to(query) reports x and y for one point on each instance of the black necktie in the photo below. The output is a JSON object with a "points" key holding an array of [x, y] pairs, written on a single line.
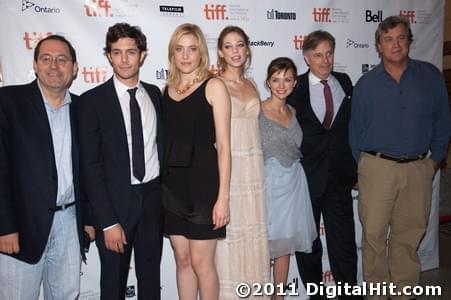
{"points": [[137, 137], [329, 105]]}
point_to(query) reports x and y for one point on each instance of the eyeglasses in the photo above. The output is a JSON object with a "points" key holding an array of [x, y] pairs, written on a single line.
{"points": [[60, 60]]}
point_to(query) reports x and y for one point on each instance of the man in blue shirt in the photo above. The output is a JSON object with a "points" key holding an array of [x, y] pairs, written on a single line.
{"points": [[399, 114], [42, 208]]}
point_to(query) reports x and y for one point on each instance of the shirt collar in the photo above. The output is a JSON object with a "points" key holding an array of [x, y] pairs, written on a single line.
{"points": [[67, 99], [314, 80], [121, 88], [379, 69]]}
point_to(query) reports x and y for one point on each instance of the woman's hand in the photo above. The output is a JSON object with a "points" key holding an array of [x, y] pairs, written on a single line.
{"points": [[221, 213]]}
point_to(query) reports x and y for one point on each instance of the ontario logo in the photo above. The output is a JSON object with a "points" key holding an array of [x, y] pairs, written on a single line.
{"points": [[32, 6], [353, 44]]}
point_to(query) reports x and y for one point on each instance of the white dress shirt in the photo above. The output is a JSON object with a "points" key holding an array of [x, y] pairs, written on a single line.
{"points": [[317, 95], [149, 125]]}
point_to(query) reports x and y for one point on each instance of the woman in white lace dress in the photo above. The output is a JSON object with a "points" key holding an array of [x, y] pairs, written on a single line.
{"points": [[243, 255]]}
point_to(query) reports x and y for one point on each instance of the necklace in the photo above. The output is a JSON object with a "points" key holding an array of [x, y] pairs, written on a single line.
{"points": [[186, 88]]}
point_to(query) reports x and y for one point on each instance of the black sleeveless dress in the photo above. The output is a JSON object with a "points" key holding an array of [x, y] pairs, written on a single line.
{"points": [[190, 177]]}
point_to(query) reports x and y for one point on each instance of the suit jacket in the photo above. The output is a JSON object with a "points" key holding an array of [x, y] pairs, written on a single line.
{"points": [[28, 176], [104, 152], [327, 157]]}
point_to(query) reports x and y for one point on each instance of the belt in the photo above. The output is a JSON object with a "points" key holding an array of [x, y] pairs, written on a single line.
{"points": [[401, 159], [61, 207]]}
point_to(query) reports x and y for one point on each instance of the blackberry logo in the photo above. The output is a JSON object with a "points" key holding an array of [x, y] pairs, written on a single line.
{"points": [[27, 4]]}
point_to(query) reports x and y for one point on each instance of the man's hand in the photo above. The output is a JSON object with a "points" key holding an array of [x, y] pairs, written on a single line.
{"points": [[115, 238], [91, 232], [9, 243]]}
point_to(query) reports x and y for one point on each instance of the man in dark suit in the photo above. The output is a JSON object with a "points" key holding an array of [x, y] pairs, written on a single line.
{"points": [[120, 138], [323, 102], [41, 225]]}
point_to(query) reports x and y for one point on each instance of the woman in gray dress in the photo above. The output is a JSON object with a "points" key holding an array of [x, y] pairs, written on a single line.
{"points": [[291, 226]]}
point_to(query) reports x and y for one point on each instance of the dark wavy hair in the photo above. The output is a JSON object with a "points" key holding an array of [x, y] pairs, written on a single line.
{"points": [[125, 30]]}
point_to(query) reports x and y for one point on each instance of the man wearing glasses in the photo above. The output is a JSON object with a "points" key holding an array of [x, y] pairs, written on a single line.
{"points": [[41, 225]]}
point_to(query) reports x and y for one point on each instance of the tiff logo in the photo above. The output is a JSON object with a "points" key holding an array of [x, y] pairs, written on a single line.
{"points": [[215, 12], [409, 15], [298, 41], [371, 17], [327, 276], [32, 38], [94, 74], [98, 8], [321, 14]]}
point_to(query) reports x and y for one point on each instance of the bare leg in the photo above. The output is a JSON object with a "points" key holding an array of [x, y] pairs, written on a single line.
{"points": [[203, 263], [186, 278], [281, 265]]}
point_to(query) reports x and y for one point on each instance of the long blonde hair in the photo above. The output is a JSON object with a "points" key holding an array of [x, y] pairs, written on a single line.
{"points": [[202, 71]]}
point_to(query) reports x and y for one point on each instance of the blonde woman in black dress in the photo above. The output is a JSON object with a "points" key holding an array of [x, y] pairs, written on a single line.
{"points": [[196, 170]]}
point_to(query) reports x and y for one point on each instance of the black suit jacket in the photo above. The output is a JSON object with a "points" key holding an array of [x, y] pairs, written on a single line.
{"points": [[28, 176], [327, 153], [104, 152]]}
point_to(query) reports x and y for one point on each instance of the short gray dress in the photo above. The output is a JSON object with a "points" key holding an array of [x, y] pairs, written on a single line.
{"points": [[291, 226]]}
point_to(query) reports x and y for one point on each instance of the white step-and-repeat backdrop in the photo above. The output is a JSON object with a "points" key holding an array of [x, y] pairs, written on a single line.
{"points": [[276, 28]]}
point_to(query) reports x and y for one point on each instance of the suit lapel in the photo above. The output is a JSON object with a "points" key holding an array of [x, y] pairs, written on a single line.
{"points": [[344, 103], [113, 112], [38, 103]]}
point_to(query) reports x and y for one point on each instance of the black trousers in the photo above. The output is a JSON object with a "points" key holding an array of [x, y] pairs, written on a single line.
{"points": [[338, 216], [144, 235]]}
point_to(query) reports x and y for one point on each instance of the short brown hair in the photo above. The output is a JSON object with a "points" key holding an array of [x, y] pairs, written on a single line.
{"points": [[280, 64], [390, 23], [314, 38]]}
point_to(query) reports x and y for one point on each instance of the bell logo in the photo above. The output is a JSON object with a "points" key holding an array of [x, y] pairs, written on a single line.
{"points": [[373, 17], [321, 14], [215, 12], [98, 8], [94, 74], [409, 15], [298, 41], [32, 38], [27, 4]]}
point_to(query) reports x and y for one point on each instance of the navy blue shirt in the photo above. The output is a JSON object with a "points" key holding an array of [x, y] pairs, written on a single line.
{"points": [[401, 119]]}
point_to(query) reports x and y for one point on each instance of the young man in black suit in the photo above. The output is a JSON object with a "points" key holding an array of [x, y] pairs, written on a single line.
{"points": [[120, 138], [323, 104], [41, 198]]}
